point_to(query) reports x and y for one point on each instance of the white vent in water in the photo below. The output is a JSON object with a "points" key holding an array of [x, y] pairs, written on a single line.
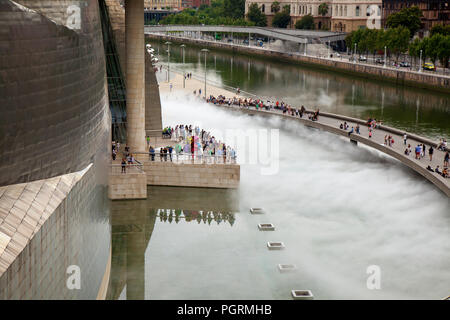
{"points": [[302, 295], [266, 227], [287, 268], [275, 245]]}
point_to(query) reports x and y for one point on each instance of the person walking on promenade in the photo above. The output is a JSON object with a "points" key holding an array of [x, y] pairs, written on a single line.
{"points": [[124, 165], [424, 150], [405, 137], [161, 153], [370, 133], [357, 129], [446, 158], [114, 153], [148, 140], [417, 150], [430, 152]]}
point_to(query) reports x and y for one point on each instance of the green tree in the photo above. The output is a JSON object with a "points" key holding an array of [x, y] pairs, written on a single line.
{"points": [[444, 51], [234, 8], [323, 9], [275, 7], [282, 19], [440, 29], [397, 40], [255, 15], [287, 8], [408, 18], [414, 49], [432, 46], [306, 22]]}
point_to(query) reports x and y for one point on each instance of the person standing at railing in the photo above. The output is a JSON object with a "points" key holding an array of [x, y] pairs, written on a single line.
{"points": [[192, 147], [170, 152], [124, 165], [151, 152]]}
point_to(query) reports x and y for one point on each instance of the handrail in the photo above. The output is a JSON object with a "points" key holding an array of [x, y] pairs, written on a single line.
{"points": [[118, 169], [189, 158]]}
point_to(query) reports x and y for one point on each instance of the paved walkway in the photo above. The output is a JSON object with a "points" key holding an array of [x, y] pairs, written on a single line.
{"points": [[330, 123]]}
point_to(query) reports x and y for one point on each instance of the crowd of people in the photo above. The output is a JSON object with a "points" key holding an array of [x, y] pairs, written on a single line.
{"points": [[128, 157], [194, 142], [260, 104], [372, 124]]}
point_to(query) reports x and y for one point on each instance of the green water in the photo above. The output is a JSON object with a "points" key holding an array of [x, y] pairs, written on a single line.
{"points": [[421, 111]]}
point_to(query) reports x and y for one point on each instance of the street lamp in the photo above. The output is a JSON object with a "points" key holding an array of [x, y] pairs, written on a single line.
{"points": [[168, 60], [205, 51], [184, 73], [354, 58], [385, 56], [328, 50], [420, 62], [182, 48]]}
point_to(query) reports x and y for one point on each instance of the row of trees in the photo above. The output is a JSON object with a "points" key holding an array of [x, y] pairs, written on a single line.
{"points": [[282, 16], [397, 42], [226, 12]]}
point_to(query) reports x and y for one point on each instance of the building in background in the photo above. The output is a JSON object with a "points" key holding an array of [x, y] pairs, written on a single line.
{"points": [[342, 15], [434, 11], [193, 3], [348, 16], [173, 5]]}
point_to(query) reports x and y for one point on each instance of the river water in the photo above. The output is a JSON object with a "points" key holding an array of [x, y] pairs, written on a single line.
{"points": [[340, 209], [417, 110]]}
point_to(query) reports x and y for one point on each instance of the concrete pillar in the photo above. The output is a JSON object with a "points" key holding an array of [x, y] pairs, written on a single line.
{"points": [[134, 41]]}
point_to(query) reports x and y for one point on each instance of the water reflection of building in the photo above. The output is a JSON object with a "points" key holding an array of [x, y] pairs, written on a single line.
{"points": [[133, 223], [177, 215]]}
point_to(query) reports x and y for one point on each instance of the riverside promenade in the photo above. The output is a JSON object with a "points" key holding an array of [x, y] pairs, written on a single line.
{"points": [[331, 122]]}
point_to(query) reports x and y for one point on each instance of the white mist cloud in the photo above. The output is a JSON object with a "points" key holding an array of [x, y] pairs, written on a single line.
{"points": [[339, 208]]}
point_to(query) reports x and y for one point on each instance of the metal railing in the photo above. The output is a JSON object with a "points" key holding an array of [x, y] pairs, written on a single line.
{"points": [[118, 169], [189, 158]]}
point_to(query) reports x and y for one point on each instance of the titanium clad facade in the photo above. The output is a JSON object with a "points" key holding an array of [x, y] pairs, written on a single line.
{"points": [[53, 96]]}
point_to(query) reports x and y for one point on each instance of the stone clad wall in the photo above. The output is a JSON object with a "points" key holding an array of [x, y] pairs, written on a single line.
{"points": [[153, 117], [192, 175], [127, 186]]}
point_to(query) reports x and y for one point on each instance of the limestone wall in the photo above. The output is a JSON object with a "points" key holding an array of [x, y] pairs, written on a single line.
{"points": [[127, 186], [153, 117], [192, 175]]}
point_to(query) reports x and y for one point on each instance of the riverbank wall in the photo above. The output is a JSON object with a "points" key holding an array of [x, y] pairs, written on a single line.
{"points": [[397, 76]]}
